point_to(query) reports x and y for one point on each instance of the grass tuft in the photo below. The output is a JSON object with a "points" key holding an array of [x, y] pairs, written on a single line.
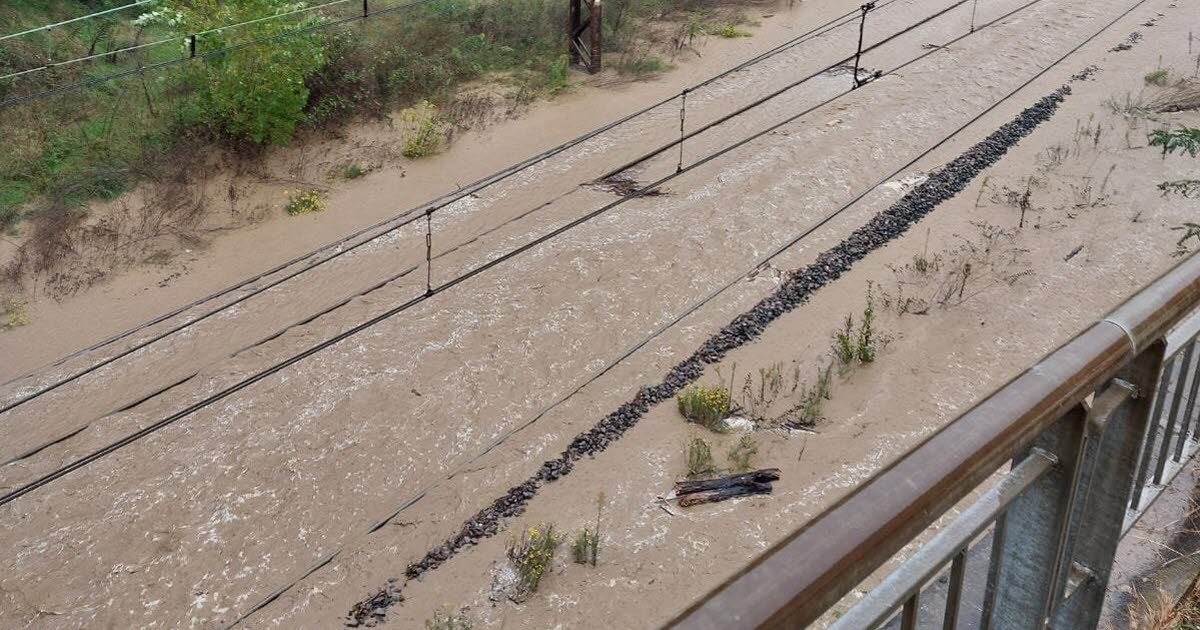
{"points": [[448, 620], [12, 313], [741, 455], [1158, 77], [353, 171], [586, 548], [699, 458]]}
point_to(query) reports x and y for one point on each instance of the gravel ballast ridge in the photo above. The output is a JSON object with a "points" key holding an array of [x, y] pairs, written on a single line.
{"points": [[798, 285]]}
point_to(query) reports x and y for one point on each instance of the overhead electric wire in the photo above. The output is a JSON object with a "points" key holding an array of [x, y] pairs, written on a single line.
{"points": [[409, 502], [89, 16], [436, 290], [405, 219], [183, 39]]}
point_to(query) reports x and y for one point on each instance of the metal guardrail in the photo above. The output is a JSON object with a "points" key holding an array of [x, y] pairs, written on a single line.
{"points": [[1090, 435]]}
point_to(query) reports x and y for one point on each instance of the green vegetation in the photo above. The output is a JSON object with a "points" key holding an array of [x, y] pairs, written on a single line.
{"points": [[67, 151], [1185, 139], [1157, 77], [531, 556], [707, 406], [305, 202], [424, 133], [850, 346], [586, 548], [643, 66], [698, 457], [352, 171], [12, 313], [741, 455], [448, 620]]}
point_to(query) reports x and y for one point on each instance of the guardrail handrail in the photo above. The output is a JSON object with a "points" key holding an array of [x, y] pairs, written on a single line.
{"points": [[1123, 361]]}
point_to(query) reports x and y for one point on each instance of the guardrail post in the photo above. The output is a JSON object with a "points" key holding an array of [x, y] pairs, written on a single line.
{"points": [[1103, 492], [1028, 541]]}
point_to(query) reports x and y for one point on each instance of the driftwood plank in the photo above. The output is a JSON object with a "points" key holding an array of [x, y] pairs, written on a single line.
{"points": [[721, 494], [728, 481]]}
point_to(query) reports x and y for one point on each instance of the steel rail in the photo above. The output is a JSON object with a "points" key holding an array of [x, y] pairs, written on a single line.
{"points": [[405, 218], [329, 557], [799, 578], [112, 447]]}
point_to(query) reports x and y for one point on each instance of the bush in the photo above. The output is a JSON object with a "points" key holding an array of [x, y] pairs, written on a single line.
{"points": [[424, 136], [1157, 77], [531, 557], [256, 93], [705, 405], [305, 202]]}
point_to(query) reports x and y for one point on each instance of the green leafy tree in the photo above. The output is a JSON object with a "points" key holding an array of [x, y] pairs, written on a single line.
{"points": [[255, 93]]}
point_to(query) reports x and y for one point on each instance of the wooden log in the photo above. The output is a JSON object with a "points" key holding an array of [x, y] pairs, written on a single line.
{"points": [[721, 494], [728, 481]]}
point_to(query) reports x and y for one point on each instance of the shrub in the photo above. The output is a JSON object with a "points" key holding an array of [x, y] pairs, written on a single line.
{"points": [[699, 458], [424, 136], [741, 454], [531, 556], [447, 620], [305, 202], [1186, 139], [257, 93], [704, 405]]}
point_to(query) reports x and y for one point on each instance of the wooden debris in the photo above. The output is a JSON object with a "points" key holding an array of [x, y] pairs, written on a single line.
{"points": [[714, 496], [760, 476], [726, 487]]}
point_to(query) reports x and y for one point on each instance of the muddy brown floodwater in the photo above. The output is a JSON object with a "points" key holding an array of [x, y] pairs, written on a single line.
{"points": [[197, 523]]}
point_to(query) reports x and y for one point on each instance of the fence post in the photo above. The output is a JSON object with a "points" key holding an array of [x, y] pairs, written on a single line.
{"points": [[1027, 545], [1102, 495]]}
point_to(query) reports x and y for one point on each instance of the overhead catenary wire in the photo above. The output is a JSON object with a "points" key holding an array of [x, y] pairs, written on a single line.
{"points": [[404, 219], [48, 27], [438, 289], [409, 502], [205, 55], [186, 40]]}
